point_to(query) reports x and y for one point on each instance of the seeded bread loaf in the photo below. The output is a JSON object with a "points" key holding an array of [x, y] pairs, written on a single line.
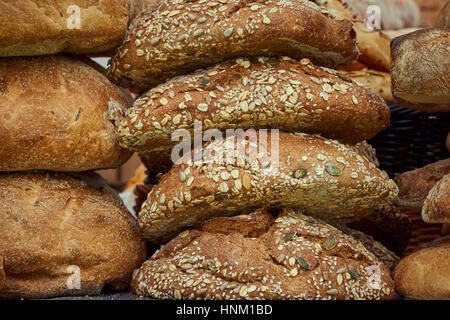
{"points": [[41, 27], [415, 185], [436, 207], [377, 81], [425, 274], [322, 177], [178, 36], [56, 230], [59, 113], [420, 70], [293, 257], [262, 93]]}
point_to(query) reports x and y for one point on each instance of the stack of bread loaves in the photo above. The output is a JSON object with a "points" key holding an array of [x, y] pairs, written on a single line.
{"points": [[61, 233], [238, 65]]}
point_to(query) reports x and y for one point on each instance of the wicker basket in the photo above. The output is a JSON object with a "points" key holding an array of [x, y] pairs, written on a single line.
{"points": [[413, 140]]}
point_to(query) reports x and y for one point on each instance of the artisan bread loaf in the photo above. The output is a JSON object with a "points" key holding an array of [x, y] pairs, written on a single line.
{"points": [[436, 207], [420, 70], [178, 36], [260, 93], [377, 81], [292, 257], [56, 230], [40, 27], [425, 274], [429, 11], [322, 177], [58, 113], [373, 44], [415, 185]]}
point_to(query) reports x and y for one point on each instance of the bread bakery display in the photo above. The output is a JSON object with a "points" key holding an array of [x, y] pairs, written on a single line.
{"points": [[52, 227], [420, 65], [257, 125], [425, 274], [58, 113], [324, 178], [259, 257], [175, 38], [260, 93]]}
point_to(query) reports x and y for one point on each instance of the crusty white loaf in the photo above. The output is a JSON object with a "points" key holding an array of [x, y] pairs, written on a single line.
{"points": [[59, 113], [178, 36], [436, 207], [420, 69], [320, 176], [57, 231], [256, 256]]}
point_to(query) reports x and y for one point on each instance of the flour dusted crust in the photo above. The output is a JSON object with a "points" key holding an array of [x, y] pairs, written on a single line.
{"points": [[51, 221], [436, 207], [59, 113], [294, 257], [419, 70], [425, 274], [259, 93], [323, 177], [178, 36]]}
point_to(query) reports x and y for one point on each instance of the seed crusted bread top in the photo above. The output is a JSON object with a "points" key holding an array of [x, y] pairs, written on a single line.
{"points": [[178, 36], [258, 93], [294, 257], [320, 176]]}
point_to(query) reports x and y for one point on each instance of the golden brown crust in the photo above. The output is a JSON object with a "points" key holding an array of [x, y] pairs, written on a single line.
{"points": [[51, 221], [40, 27], [425, 274], [323, 177], [58, 113], [429, 11], [365, 149], [176, 37], [377, 81], [415, 185], [261, 93], [444, 16], [436, 207], [298, 257], [419, 70]]}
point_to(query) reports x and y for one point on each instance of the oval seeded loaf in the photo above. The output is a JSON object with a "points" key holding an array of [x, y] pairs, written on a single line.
{"points": [[259, 257], [178, 36], [259, 93], [322, 177], [377, 81], [55, 230], [59, 113], [420, 67], [436, 207], [425, 274]]}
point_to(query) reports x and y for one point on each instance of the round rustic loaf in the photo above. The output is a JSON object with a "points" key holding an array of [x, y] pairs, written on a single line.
{"points": [[259, 257], [176, 37], [436, 207], [55, 229], [260, 93], [425, 274], [59, 113], [322, 177]]}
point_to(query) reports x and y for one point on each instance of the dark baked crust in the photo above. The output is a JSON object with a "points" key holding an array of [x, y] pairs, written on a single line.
{"points": [[415, 185], [436, 207], [298, 257], [193, 192], [177, 37], [260, 93], [50, 221], [388, 225]]}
